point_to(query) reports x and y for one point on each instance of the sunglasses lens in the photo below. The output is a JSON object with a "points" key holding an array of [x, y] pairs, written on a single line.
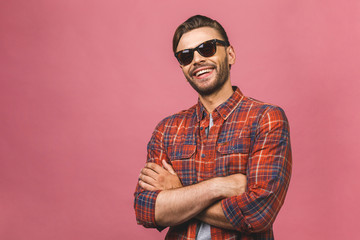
{"points": [[207, 49], [185, 57]]}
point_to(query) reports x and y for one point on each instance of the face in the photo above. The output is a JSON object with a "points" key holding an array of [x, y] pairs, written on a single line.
{"points": [[206, 75]]}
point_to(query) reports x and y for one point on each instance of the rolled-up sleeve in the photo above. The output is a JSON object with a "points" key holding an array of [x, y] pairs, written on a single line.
{"points": [[144, 202], [268, 175]]}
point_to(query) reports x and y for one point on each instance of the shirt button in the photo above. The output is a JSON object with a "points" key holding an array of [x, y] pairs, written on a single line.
{"points": [[202, 155]]}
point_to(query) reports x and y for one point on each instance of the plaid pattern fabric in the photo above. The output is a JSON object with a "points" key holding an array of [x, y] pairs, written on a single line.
{"points": [[248, 137]]}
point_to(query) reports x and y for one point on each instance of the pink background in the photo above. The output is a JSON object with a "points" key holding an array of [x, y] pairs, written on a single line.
{"points": [[83, 84]]}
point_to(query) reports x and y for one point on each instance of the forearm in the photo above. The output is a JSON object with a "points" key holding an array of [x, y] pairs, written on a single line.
{"points": [[176, 206], [173, 204], [214, 215]]}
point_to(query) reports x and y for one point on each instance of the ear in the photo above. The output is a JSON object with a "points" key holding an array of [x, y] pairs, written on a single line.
{"points": [[231, 55]]}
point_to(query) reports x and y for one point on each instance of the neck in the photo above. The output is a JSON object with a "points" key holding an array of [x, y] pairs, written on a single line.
{"points": [[210, 102]]}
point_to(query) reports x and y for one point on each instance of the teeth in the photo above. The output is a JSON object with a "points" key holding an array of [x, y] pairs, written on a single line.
{"points": [[203, 71]]}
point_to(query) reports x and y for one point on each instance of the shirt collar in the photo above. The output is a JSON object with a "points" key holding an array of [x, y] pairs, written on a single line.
{"points": [[224, 109]]}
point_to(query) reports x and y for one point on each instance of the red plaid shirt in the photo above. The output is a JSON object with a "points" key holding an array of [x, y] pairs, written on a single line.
{"points": [[248, 137]]}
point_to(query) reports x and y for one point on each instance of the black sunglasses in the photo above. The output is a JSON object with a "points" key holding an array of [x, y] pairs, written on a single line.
{"points": [[205, 49]]}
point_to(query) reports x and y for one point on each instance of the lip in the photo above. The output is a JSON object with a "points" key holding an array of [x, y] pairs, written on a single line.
{"points": [[193, 73]]}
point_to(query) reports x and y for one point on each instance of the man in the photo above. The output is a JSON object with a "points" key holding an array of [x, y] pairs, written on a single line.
{"points": [[221, 169]]}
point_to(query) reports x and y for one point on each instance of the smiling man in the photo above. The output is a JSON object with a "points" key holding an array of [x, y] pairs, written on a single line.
{"points": [[221, 169]]}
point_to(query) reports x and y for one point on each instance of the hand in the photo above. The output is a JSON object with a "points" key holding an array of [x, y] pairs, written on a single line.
{"points": [[233, 185], [153, 177]]}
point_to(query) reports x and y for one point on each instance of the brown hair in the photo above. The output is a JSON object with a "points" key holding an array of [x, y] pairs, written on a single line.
{"points": [[194, 22]]}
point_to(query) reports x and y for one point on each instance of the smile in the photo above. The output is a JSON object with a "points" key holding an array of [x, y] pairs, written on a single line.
{"points": [[203, 72]]}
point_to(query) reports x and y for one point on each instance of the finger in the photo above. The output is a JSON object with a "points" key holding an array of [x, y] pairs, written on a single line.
{"points": [[155, 167], [146, 186], [149, 172], [148, 180], [168, 167]]}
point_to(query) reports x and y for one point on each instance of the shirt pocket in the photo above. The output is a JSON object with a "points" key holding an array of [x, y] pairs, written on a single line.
{"points": [[182, 158], [232, 157]]}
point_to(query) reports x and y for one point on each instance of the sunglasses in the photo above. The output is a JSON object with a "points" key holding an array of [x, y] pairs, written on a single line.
{"points": [[205, 49]]}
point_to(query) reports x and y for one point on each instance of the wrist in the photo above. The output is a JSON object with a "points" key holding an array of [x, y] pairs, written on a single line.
{"points": [[217, 188]]}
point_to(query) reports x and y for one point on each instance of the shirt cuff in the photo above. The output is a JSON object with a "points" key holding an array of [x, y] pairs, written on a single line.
{"points": [[145, 208], [234, 214]]}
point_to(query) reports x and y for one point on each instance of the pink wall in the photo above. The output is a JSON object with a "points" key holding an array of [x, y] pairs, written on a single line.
{"points": [[83, 84]]}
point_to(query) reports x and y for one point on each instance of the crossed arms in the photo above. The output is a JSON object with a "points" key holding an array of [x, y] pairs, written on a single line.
{"points": [[161, 200], [177, 204]]}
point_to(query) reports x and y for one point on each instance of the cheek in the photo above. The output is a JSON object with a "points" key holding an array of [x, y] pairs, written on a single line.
{"points": [[185, 71]]}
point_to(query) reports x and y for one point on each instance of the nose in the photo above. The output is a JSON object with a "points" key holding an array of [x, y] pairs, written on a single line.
{"points": [[198, 58]]}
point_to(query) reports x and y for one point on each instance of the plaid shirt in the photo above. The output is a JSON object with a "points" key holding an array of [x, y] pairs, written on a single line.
{"points": [[248, 137]]}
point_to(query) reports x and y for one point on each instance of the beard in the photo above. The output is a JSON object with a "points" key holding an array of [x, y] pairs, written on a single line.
{"points": [[223, 73]]}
